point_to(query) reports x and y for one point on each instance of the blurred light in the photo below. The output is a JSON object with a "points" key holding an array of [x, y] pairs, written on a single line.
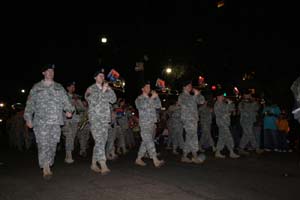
{"points": [[220, 3], [2, 105], [1, 120], [132, 113], [213, 87], [23, 91], [163, 108], [164, 100], [103, 40], [225, 94], [169, 70]]}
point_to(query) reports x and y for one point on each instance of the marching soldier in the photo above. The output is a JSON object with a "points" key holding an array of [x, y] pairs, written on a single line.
{"points": [[248, 110], [175, 127], [71, 125], [44, 113], [205, 113], [223, 110], [147, 118], [99, 97], [189, 116], [84, 129]]}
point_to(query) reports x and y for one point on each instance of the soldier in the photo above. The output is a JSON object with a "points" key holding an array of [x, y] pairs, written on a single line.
{"points": [[99, 97], [147, 118], [296, 91], [175, 127], [84, 129], [223, 109], [205, 112], [44, 113], [71, 125], [189, 116], [248, 109]]}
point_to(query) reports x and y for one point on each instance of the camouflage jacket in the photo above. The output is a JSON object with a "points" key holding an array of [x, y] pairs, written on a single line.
{"points": [[99, 104], [248, 112], [223, 113], [147, 109], [205, 114], [45, 104], [189, 106]]}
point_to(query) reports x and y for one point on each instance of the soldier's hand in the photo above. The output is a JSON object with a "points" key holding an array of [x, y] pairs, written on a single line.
{"points": [[29, 124], [196, 92], [88, 92], [105, 87], [68, 114], [153, 94]]}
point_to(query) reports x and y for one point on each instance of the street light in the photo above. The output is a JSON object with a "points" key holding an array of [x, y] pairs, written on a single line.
{"points": [[169, 70], [103, 40], [23, 91]]}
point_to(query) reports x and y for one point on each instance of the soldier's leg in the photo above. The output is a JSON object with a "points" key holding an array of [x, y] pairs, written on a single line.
{"points": [[110, 148], [42, 139], [245, 139], [69, 132], [83, 136], [53, 141], [121, 138], [96, 150], [229, 142], [220, 142], [179, 135]]}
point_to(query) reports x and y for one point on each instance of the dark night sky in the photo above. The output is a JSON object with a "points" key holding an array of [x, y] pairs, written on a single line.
{"points": [[242, 36]]}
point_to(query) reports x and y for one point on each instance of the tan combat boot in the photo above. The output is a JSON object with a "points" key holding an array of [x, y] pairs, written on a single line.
{"points": [[104, 168], [95, 167], [69, 158]]}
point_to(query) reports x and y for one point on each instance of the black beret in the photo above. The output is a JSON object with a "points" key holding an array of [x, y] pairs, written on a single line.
{"points": [[47, 66]]}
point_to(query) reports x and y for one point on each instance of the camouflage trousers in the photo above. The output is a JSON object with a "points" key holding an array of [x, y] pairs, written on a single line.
{"points": [[100, 133], [121, 138], [147, 144], [47, 136], [224, 138], [191, 143], [83, 137], [206, 138], [176, 134], [69, 130], [129, 137], [248, 136], [110, 145]]}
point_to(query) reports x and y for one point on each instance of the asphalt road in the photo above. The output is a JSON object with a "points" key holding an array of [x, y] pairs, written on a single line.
{"points": [[268, 176]]}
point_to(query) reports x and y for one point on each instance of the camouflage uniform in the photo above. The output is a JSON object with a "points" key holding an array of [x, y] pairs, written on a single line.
{"points": [[296, 91], [100, 117], [70, 128], [189, 116], [223, 112], [147, 119], [84, 133], [205, 122], [248, 112], [122, 122], [44, 109], [112, 134], [175, 126]]}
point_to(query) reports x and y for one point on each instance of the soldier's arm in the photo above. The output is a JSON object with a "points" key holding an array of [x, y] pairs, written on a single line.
{"points": [[67, 105], [141, 103], [110, 96], [199, 99], [156, 102], [30, 107]]}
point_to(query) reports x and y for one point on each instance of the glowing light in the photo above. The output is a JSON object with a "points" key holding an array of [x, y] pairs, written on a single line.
{"points": [[2, 105], [103, 40], [23, 91], [220, 4], [169, 70], [213, 87], [1, 120]]}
